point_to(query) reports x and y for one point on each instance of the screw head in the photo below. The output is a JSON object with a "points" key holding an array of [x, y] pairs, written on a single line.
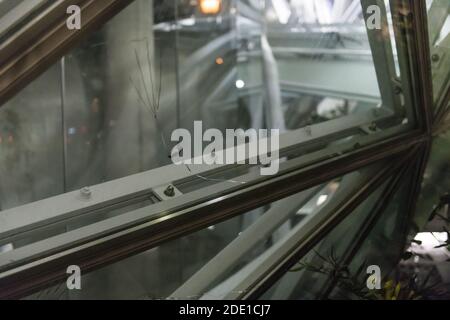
{"points": [[435, 57], [170, 191], [86, 192]]}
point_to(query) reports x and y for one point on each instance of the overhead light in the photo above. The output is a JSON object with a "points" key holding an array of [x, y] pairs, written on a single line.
{"points": [[210, 6], [240, 84], [219, 60]]}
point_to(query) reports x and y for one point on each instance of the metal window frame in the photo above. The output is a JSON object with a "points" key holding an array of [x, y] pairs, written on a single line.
{"points": [[304, 237], [269, 271], [368, 225], [42, 41], [115, 193], [114, 239], [173, 219], [216, 268]]}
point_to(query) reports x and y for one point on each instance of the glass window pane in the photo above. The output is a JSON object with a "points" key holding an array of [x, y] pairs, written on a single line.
{"points": [[337, 267], [316, 75], [155, 273], [282, 221], [436, 181], [31, 158], [156, 67], [301, 50], [160, 272], [110, 132]]}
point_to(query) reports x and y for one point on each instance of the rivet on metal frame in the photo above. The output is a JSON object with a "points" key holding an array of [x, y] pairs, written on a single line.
{"points": [[170, 191], [86, 193]]}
